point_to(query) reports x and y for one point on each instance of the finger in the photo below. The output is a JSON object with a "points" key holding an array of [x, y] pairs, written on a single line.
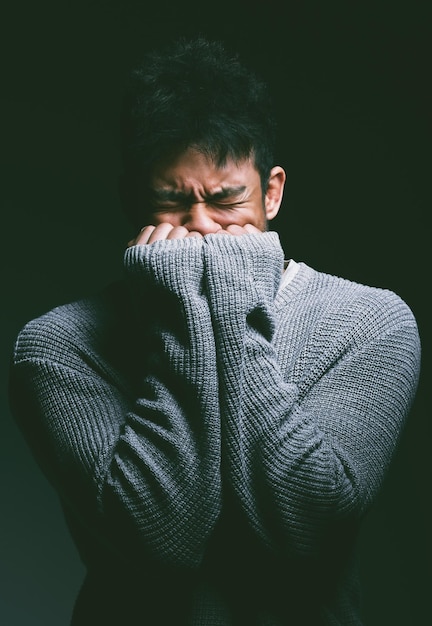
{"points": [[143, 236], [145, 232], [160, 232], [250, 228], [235, 229], [222, 232], [194, 233], [178, 232]]}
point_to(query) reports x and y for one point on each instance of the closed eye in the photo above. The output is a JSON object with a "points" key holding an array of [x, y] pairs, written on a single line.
{"points": [[168, 198], [225, 206]]}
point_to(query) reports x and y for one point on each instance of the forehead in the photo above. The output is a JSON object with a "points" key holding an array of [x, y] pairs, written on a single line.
{"points": [[193, 168]]}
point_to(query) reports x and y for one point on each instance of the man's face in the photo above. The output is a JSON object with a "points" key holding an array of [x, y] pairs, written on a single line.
{"points": [[189, 190]]}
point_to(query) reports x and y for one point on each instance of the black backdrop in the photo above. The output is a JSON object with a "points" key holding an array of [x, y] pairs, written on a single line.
{"points": [[351, 81]]}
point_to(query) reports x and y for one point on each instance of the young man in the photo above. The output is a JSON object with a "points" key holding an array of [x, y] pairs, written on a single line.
{"points": [[217, 423]]}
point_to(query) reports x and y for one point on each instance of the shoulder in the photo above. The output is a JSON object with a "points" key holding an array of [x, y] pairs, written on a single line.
{"points": [[351, 307], [72, 330]]}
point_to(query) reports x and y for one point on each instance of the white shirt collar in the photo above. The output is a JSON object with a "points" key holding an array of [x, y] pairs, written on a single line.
{"points": [[291, 269]]}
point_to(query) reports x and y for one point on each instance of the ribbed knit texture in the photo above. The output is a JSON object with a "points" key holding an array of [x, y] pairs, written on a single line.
{"points": [[203, 427]]}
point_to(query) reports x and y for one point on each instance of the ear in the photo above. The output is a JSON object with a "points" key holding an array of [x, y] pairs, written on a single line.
{"points": [[274, 191]]}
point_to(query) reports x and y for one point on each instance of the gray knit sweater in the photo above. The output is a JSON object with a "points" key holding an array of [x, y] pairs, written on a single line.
{"points": [[216, 440]]}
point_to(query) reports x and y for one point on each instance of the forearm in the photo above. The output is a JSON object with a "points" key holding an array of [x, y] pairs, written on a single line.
{"points": [[140, 467], [306, 451]]}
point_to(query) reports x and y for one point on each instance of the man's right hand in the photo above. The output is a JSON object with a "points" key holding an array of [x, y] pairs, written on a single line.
{"points": [[151, 233]]}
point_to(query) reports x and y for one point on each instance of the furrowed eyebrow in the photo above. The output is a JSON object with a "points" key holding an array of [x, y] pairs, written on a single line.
{"points": [[227, 192], [171, 195], [167, 195]]}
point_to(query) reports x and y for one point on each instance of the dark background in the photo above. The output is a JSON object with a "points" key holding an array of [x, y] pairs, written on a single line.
{"points": [[352, 86]]}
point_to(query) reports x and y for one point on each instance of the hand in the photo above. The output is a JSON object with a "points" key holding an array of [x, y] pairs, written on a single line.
{"points": [[151, 233], [165, 230], [235, 229]]}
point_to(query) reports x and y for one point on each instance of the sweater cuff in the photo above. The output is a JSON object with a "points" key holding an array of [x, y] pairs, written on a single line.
{"points": [[239, 261], [170, 263]]}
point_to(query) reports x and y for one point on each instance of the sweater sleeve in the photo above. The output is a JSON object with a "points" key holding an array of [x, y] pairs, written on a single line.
{"points": [[306, 449], [144, 474]]}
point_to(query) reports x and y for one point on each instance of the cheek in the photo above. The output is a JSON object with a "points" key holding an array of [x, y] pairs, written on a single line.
{"points": [[261, 220], [226, 218], [257, 218], [165, 217]]}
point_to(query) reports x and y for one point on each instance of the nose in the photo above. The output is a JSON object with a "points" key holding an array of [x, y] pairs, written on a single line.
{"points": [[199, 219]]}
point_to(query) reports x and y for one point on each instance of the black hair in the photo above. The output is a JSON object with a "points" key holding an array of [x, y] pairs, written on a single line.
{"points": [[194, 93]]}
